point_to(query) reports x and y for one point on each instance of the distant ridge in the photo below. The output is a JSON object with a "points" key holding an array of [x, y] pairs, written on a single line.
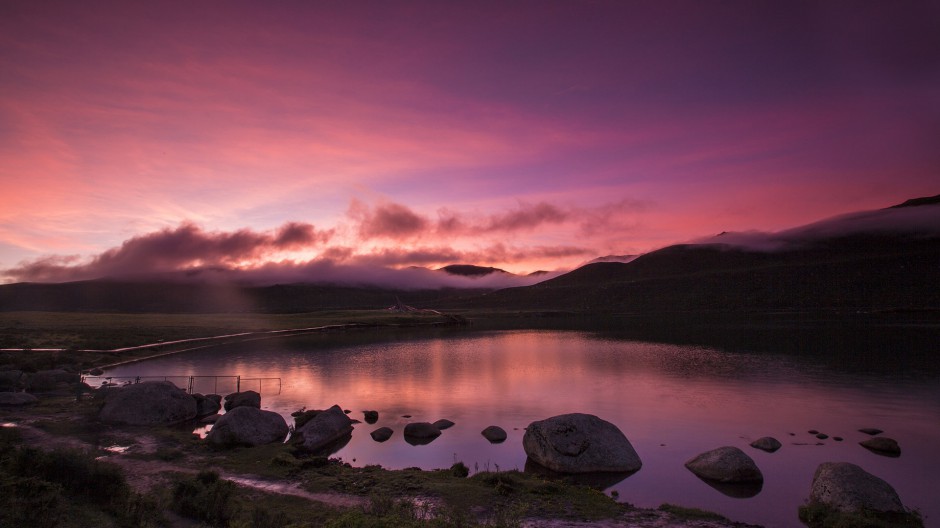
{"points": [[913, 202]]}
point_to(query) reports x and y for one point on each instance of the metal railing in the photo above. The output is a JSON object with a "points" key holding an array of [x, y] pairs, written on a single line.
{"points": [[190, 383]]}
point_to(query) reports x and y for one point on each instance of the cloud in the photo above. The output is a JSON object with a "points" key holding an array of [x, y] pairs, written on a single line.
{"points": [[387, 220], [923, 221], [170, 250]]}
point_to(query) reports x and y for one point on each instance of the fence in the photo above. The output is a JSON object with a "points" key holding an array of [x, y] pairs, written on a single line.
{"points": [[193, 384]]}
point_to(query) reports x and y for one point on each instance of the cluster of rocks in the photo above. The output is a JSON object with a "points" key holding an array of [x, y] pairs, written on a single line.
{"points": [[18, 387]]}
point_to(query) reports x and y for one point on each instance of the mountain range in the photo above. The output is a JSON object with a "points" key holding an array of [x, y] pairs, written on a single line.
{"points": [[872, 261]]}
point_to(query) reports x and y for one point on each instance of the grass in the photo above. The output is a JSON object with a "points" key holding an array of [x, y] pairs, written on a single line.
{"points": [[691, 514]]}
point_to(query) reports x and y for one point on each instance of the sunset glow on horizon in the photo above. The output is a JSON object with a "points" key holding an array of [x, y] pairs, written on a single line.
{"points": [[314, 136]]}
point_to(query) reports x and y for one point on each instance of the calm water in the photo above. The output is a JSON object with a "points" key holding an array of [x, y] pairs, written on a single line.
{"points": [[672, 401]]}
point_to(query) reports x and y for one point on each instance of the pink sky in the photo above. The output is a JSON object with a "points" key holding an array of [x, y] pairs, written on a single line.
{"points": [[522, 135]]}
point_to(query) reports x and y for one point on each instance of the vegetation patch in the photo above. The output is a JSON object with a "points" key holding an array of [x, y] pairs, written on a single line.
{"points": [[692, 514]]}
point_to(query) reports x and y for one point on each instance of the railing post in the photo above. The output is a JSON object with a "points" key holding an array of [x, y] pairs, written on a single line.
{"points": [[238, 383]]}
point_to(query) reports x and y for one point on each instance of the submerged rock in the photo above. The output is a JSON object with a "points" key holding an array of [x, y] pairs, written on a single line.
{"points": [[767, 443], [381, 434], [248, 426], [371, 416], [725, 464], [846, 487], [443, 424], [243, 399], [579, 443], [147, 403], [882, 445], [494, 434], [323, 429], [870, 431]]}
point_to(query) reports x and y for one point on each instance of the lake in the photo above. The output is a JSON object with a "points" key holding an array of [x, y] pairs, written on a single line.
{"points": [[674, 393]]}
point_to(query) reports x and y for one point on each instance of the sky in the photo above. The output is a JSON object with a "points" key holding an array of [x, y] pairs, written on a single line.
{"points": [[317, 136]]}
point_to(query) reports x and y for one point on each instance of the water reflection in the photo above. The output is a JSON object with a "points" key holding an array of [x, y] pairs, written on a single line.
{"points": [[672, 400]]}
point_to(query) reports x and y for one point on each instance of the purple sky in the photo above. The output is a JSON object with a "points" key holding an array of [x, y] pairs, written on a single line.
{"points": [[523, 135]]}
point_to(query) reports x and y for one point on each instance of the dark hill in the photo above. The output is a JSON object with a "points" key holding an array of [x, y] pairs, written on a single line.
{"points": [[851, 273], [469, 270]]}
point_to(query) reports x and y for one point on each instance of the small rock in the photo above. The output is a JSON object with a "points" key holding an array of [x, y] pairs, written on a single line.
{"points": [[837, 438], [494, 434], [870, 431], [882, 445], [822, 436], [422, 430], [211, 419], [406, 416], [381, 434], [726, 464], [371, 416], [206, 405], [813, 431], [767, 443], [347, 411], [443, 424]]}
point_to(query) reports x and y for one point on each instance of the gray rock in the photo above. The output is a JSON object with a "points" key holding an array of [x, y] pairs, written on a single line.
{"points": [[846, 487], [248, 426], [579, 443], [323, 429], [147, 403], [870, 431], [767, 443], [47, 380], [370, 416], [206, 405], [17, 398], [243, 399], [422, 430], [882, 444], [443, 424], [494, 434], [726, 464], [211, 419], [381, 434]]}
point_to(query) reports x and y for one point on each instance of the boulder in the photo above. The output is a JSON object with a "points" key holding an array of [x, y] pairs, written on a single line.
{"points": [[11, 380], [211, 419], [147, 403], [443, 424], [726, 464], [243, 399], [17, 398], [206, 405], [422, 430], [323, 429], [248, 426], [47, 380], [767, 443], [371, 416], [381, 434], [494, 434], [882, 445], [846, 487], [579, 443]]}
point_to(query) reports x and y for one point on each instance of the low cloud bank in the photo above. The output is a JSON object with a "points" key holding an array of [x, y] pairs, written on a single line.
{"points": [[920, 221]]}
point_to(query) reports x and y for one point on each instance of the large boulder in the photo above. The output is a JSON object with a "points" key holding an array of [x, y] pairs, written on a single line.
{"points": [[845, 487], [243, 399], [17, 398], [47, 380], [726, 464], [248, 426], [11, 380], [147, 403], [579, 443], [323, 429]]}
